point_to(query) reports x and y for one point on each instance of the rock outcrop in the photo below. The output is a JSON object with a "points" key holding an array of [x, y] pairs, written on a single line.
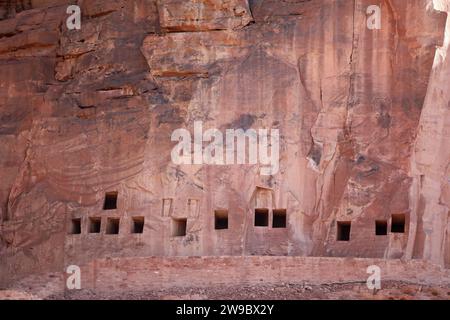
{"points": [[430, 169], [88, 114]]}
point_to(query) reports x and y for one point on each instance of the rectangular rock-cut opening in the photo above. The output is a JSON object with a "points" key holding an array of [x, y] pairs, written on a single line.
{"points": [[343, 230], [75, 227], [279, 218], [398, 223], [137, 225], [110, 201], [112, 226], [221, 219], [95, 224], [179, 227], [381, 227], [261, 217]]}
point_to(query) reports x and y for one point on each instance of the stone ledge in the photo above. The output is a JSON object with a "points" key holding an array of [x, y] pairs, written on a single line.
{"points": [[140, 274]]}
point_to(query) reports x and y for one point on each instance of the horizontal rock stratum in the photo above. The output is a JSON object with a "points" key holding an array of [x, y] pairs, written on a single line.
{"points": [[86, 118]]}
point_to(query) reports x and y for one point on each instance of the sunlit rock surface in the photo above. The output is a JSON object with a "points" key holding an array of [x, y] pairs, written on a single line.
{"points": [[363, 117]]}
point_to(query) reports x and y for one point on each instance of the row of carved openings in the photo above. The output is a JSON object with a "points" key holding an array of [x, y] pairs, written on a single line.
{"points": [[381, 227], [179, 225], [112, 225]]}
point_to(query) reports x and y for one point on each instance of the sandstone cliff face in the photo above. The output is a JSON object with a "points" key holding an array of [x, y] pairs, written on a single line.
{"points": [[430, 191], [364, 129]]}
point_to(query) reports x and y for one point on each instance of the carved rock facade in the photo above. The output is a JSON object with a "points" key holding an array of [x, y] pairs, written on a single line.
{"points": [[86, 118]]}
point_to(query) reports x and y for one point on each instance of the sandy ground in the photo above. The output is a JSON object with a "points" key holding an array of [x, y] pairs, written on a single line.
{"points": [[286, 291]]}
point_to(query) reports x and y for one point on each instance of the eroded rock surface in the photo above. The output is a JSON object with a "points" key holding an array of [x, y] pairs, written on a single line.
{"points": [[362, 114]]}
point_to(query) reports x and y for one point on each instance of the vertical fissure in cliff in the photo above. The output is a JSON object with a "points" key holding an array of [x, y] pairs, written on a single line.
{"points": [[351, 88]]}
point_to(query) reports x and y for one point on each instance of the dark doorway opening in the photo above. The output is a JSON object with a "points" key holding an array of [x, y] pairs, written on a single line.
{"points": [[179, 227], [261, 217], [110, 201], [279, 218], [221, 219], [137, 225], [381, 227], [75, 226], [398, 223], [343, 230], [112, 226], [95, 225]]}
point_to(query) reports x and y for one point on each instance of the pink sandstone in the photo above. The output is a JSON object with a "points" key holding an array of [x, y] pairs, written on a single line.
{"points": [[363, 114]]}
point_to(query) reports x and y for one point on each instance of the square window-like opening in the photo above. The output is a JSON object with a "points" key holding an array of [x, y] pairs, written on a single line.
{"points": [[95, 225], [179, 227], [112, 226], [110, 201], [398, 223], [221, 219], [279, 218], [137, 225], [261, 217], [343, 230], [381, 227], [75, 227]]}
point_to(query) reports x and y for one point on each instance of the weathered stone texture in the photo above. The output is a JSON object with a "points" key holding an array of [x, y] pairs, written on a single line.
{"points": [[144, 274], [364, 131]]}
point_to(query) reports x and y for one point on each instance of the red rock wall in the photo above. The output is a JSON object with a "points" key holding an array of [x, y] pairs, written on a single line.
{"points": [[155, 273], [89, 111], [430, 192]]}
